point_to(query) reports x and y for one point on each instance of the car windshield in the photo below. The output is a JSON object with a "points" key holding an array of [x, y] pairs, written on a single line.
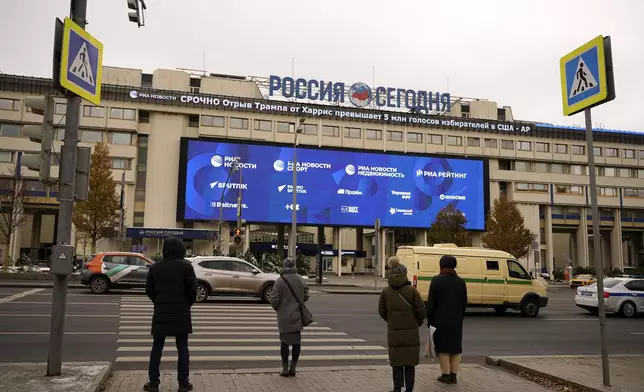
{"points": [[584, 276]]}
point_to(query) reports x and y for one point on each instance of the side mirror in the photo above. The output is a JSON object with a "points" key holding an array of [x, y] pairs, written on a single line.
{"points": [[148, 265], [256, 271]]}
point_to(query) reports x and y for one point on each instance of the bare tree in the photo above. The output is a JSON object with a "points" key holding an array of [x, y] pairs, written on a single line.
{"points": [[12, 217], [214, 237]]}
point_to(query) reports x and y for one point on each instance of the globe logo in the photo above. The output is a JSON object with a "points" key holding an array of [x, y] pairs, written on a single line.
{"points": [[216, 161], [134, 94], [442, 197], [350, 170], [360, 94], [278, 165]]}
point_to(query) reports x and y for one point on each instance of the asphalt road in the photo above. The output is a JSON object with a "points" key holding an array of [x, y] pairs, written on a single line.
{"points": [[241, 333]]}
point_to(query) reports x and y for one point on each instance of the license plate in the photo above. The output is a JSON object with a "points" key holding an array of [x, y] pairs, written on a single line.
{"points": [[586, 293]]}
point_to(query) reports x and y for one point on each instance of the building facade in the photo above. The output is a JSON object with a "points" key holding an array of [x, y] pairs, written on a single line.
{"points": [[143, 116]]}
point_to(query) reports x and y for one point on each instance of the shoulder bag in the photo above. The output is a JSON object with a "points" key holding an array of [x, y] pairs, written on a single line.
{"points": [[410, 305], [307, 317]]}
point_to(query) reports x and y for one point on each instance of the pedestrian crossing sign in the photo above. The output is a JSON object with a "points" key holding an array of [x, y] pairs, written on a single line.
{"points": [[81, 61], [586, 76]]}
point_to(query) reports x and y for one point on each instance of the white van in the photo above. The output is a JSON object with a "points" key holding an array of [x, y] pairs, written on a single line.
{"points": [[494, 278]]}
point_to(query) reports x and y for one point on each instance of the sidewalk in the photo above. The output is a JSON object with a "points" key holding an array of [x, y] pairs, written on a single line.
{"points": [[372, 378], [31, 377], [581, 372]]}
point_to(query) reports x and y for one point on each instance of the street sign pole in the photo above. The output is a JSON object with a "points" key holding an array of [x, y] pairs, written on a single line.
{"points": [[599, 264], [377, 257], [587, 81], [66, 204]]}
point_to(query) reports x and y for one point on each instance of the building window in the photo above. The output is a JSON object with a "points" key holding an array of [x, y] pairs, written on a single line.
{"points": [[123, 114], [604, 191], [578, 150], [561, 148], [597, 151], [373, 134], [435, 139], [629, 154], [238, 123], [540, 167], [454, 140], [121, 163], [395, 136], [507, 144], [612, 152], [9, 104], [330, 130], [579, 170], [474, 142], [146, 80], [10, 130], [88, 136], [640, 173], [6, 156], [285, 127], [414, 137], [258, 125], [610, 172], [60, 108], [542, 147], [144, 116], [570, 189], [523, 166], [500, 114], [193, 121], [94, 111], [491, 143], [123, 138], [557, 168], [529, 187], [524, 146], [352, 133], [641, 154], [215, 121], [627, 173], [630, 192], [309, 129]]}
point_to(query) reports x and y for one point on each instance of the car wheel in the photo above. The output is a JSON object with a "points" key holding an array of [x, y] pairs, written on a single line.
{"points": [[266, 294], [628, 309], [500, 309], [594, 312], [99, 285], [530, 307], [202, 292]]}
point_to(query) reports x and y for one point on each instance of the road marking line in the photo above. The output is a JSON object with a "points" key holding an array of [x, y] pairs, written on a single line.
{"points": [[228, 327], [137, 316], [568, 319], [20, 295], [49, 315], [253, 348], [197, 320], [637, 333], [66, 333], [251, 340], [68, 303], [243, 358], [231, 333], [206, 308]]}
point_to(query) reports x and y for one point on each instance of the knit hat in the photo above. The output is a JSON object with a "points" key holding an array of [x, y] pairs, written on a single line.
{"points": [[289, 262], [447, 261], [399, 269], [393, 262]]}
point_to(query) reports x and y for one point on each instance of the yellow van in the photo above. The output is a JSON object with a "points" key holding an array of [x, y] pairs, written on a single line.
{"points": [[495, 279]]}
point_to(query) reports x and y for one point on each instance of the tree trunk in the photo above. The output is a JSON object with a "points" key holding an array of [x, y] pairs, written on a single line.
{"points": [[93, 246], [5, 257]]}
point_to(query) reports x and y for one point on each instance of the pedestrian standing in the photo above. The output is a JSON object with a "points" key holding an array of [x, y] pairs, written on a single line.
{"points": [[446, 304], [402, 308], [172, 287], [289, 294]]}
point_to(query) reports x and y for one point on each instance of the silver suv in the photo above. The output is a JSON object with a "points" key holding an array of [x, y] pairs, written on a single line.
{"points": [[222, 275]]}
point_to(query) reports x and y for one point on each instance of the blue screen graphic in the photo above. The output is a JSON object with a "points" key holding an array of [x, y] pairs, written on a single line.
{"points": [[338, 188]]}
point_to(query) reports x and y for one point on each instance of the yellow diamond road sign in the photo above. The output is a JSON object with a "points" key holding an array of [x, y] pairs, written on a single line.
{"points": [[81, 64]]}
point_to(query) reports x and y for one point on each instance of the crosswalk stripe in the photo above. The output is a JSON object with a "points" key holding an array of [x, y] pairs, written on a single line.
{"points": [[231, 333], [228, 327], [253, 348], [247, 358], [246, 340], [197, 320], [241, 319], [207, 308]]}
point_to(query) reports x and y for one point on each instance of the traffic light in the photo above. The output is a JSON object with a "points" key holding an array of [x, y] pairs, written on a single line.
{"points": [[138, 15], [238, 236], [42, 134]]}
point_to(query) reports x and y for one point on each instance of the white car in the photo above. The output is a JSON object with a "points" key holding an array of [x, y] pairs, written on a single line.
{"points": [[621, 295]]}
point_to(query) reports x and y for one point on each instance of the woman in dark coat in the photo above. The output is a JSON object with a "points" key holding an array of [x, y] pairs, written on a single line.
{"points": [[289, 315], [172, 287], [402, 308], [446, 305]]}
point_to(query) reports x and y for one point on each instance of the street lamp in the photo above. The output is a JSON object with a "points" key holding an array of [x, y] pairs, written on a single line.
{"points": [[233, 168], [293, 237]]}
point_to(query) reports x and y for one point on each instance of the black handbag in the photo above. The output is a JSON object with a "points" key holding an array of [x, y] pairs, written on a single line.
{"points": [[307, 317]]}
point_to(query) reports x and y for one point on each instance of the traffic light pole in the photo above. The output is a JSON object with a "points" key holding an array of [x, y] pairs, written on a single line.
{"points": [[78, 10], [239, 212]]}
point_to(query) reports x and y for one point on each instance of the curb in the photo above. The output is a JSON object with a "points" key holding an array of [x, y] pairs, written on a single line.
{"points": [[45, 285], [94, 386], [103, 376], [516, 368]]}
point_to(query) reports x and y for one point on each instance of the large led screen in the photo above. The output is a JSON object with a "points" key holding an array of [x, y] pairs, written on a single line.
{"points": [[334, 187]]}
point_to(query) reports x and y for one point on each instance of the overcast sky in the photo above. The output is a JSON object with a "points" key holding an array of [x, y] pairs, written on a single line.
{"points": [[507, 51]]}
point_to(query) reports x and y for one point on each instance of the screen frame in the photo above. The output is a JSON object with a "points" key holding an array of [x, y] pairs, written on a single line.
{"points": [[183, 159]]}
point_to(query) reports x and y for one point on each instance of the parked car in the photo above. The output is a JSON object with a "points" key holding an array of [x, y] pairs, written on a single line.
{"points": [[624, 296], [231, 276], [582, 280], [107, 270]]}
